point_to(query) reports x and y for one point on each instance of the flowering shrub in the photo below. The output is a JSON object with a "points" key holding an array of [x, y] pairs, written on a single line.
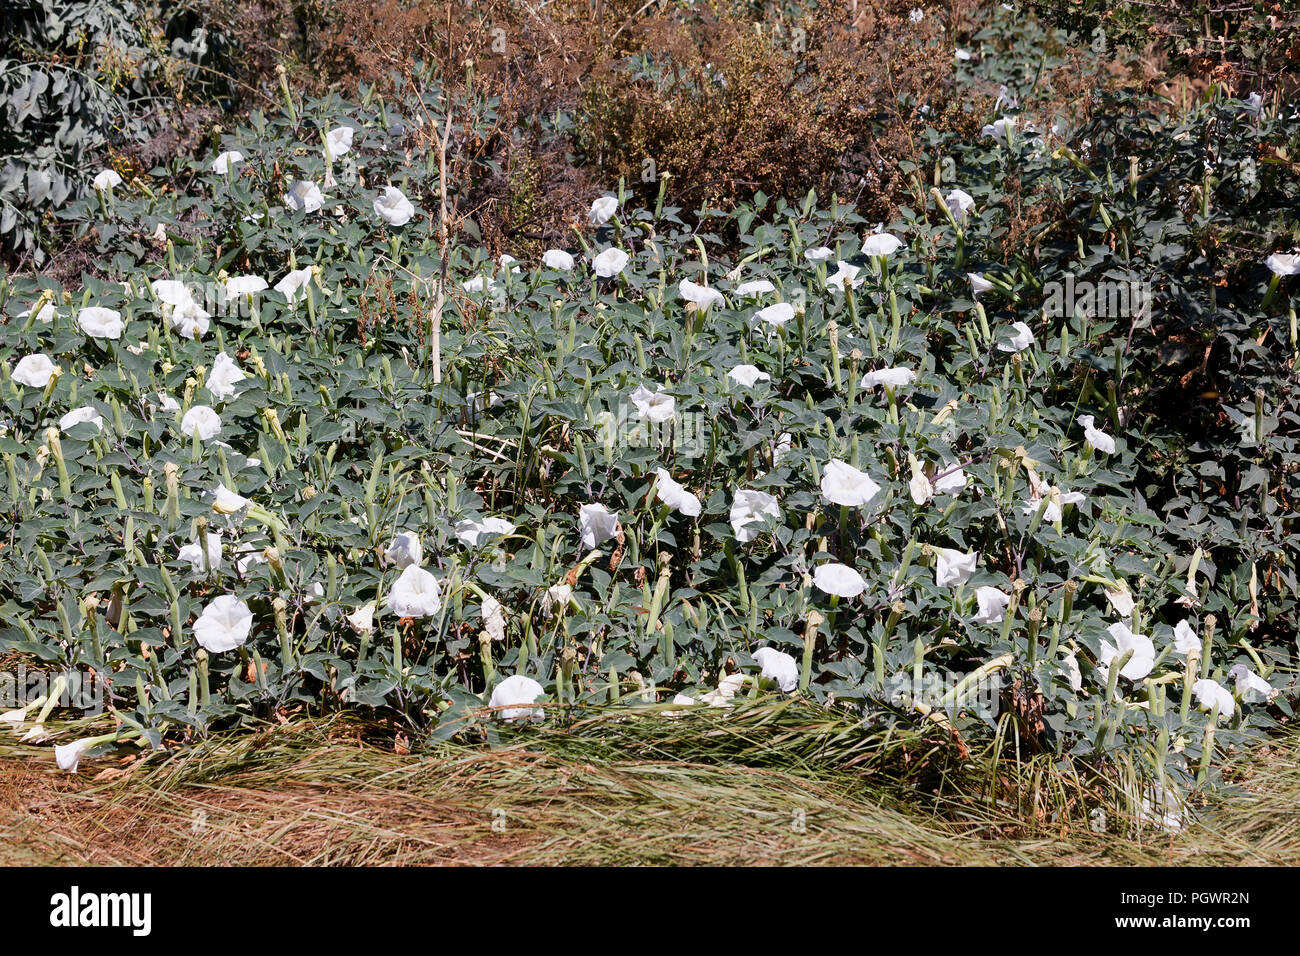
{"points": [[1164, 228], [277, 461]]}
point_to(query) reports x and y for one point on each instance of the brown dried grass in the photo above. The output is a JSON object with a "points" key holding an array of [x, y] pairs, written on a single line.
{"points": [[329, 794]]}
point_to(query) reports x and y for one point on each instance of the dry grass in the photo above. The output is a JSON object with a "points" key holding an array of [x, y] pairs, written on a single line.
{"points": [[770, 788]]}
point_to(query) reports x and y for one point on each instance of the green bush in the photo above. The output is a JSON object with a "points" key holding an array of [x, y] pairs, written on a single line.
{"points": [[78, 79], [1188, 207], [1249, 46]]}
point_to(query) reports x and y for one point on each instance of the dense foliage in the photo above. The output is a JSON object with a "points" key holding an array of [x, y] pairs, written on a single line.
{"points": [[276, 462], [79, 78], [1249, 43]]}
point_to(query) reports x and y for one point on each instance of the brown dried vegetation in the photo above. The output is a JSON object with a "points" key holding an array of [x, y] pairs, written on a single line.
{"points": [[710, 102], [335, 795]]}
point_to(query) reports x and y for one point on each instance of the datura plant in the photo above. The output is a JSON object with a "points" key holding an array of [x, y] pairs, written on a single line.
{"points": [[293, 450]]}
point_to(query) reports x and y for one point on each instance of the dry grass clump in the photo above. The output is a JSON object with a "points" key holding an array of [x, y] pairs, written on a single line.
{"points": [[770, 784]]}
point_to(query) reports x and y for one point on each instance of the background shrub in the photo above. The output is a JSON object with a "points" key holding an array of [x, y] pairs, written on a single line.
{"points": [[80, 79]]}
